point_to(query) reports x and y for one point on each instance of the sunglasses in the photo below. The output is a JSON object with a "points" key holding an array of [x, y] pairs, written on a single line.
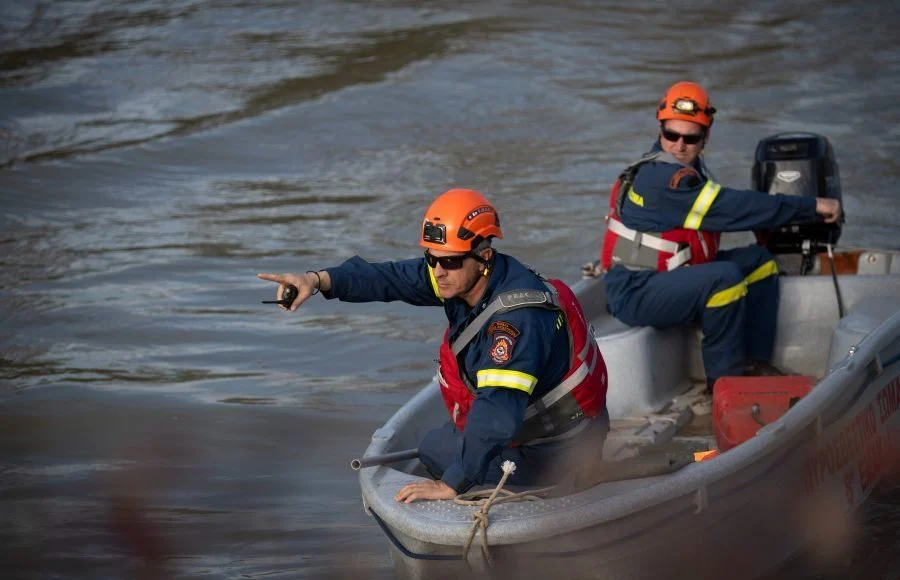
{"points": [[447, 262], [452, 262], [689, 139]]}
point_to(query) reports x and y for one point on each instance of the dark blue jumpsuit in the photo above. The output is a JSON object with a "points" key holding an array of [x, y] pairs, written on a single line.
{"points": [[535, 359], [735, 298]]}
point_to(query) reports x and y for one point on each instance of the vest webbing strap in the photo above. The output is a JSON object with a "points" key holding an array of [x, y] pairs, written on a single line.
{"points": [[679, 257], [505, 302], [565, 387], [626, 178], [638, 239]]}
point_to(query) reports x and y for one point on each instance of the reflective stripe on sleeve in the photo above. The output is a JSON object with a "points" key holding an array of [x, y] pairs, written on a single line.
{"points": [[728, 295], [763, 272], [704, 200], [508, 379]]}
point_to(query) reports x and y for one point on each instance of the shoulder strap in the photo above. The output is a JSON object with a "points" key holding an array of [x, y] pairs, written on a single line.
{"points": [[626, 178], [505, 302]]}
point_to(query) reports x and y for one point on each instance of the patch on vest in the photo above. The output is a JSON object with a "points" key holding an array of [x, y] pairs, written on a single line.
{"points": [[685, 172], [503, 327], [501, 348]]}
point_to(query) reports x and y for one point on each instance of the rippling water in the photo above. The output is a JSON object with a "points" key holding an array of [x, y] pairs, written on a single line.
{"points": [[155, 155]]}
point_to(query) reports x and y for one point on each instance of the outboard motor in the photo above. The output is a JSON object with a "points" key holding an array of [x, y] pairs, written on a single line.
{"points": [[798, 164]]}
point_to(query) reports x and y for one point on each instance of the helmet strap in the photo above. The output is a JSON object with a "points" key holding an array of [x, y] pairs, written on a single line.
{"points": [[475, 282], [479, 247], [488, 264]]}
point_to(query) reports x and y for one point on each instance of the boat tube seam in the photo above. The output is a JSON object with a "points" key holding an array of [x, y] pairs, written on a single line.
{"points": [[403, 549]]}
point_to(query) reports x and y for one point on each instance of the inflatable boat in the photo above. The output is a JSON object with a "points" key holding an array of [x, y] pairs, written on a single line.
{"points": [[692, 485]]}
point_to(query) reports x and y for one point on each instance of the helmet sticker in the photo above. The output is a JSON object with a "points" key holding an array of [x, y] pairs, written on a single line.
{"points": [[478, 211]]}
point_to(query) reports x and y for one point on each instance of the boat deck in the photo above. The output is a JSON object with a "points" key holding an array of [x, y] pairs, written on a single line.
{"points": [[683, 427]]}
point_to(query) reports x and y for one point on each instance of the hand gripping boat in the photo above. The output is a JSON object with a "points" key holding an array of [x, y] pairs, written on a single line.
{"points": [[650, 511]]}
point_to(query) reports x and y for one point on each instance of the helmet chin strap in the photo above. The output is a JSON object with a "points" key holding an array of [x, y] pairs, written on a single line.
{"points": [[486, 263], [472, 285]]}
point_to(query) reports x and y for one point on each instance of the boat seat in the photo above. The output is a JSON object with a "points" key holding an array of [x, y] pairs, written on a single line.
{"points": [[865, 316], [652, 365]]}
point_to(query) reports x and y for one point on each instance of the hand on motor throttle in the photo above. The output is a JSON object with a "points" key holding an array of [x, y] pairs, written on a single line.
{"points": [[830, 209]]}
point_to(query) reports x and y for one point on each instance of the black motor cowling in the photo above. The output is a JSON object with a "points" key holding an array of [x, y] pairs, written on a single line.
{"points": [[797, 164]]}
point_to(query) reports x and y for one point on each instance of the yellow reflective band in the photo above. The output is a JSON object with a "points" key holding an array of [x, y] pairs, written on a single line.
{"points": [[763, 272], [434, 285], [508, 379], [728, 295], [635, 198], [705, 198]]}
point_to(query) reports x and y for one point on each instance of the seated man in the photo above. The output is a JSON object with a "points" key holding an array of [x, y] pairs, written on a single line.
{"points": [[667, 213], [523, 380]]}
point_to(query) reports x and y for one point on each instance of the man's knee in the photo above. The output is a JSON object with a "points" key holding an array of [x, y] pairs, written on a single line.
{"points": [[749, 258], [758, 253], [727, 275], [727, 287]]}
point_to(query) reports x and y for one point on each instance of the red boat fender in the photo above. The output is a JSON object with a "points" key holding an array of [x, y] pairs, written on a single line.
{"points": [[743, 405]]}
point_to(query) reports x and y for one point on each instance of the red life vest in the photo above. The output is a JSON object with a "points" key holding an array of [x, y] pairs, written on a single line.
{"points": [[662, 251], [582, 392]]}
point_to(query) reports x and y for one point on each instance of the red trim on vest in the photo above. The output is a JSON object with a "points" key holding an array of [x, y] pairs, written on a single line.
{"points": [[701, 251], [590, 393]]}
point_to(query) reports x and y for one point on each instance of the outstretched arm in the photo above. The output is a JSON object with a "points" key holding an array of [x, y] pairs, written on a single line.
{"points": [[668, 196], [357, 280]]}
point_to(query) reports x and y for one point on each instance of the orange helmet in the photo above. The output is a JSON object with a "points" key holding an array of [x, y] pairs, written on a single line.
{"points": [[687, 102], [458, 220]]}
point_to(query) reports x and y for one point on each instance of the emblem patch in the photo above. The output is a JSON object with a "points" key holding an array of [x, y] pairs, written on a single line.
{"points": [[503, 327], [684, 172], [501, 348]]}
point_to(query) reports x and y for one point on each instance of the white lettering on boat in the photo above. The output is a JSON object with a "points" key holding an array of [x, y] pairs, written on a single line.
{"points": [[889, 399], [858, 454], [841, 448]]}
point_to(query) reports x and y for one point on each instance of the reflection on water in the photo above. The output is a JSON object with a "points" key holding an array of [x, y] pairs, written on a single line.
{"points": [[156, 419]]}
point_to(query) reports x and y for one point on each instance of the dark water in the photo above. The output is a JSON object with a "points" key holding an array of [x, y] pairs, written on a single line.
{"points": [[155, 419]]}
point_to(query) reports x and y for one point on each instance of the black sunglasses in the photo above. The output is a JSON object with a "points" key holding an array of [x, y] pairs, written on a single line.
{"points": [[446, 262], [689, 139], [451, 262]]}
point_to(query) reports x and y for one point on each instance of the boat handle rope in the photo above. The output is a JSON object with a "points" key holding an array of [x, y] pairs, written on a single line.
{"points": [[480, 518]]}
